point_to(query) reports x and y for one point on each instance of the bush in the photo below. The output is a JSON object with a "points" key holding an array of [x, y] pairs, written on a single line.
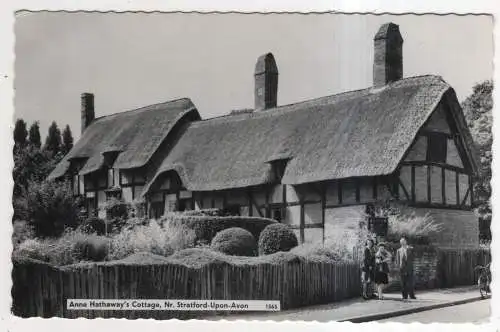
{"points": [[276, 237], [117, 213], [152, 237], [49, 207], [93, 225], [22, 231], [204, 212], [73, 247], [33, 248], [235, 241], [205, 227], [91, 248], [417, 229]]}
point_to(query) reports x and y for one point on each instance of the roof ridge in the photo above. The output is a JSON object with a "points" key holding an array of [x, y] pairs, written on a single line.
{"points": [[290, 107], [144, 108]]}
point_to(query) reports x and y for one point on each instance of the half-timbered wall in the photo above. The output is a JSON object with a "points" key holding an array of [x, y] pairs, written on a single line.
{"points": [[431, 178]]}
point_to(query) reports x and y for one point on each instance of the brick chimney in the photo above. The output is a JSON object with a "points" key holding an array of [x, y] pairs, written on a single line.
{"points": [[88, 114], [266, 82], [388, 55]]}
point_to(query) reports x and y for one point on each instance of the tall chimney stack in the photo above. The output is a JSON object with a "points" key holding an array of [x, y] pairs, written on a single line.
{"points": [[388, 55], [266, 82], [88, 114]]}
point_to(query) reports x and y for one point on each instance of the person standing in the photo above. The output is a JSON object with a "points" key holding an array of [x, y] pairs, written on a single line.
{"points": [[404, 262], [382, 260], [368, 268]]}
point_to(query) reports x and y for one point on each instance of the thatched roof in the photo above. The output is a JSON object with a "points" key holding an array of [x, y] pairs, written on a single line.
{"points": [[135, 134], [359, 133]]}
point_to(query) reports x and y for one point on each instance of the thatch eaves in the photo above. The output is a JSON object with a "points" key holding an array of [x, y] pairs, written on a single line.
{"points": [[135, 134], [353, 134]]}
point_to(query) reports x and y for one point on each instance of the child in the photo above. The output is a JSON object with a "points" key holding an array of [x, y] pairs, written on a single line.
{"points": [[382, 260]]}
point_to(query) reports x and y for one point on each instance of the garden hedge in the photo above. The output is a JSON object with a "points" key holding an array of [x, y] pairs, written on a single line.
{"points": [[276, 237], [235, 241], [206, 227]]}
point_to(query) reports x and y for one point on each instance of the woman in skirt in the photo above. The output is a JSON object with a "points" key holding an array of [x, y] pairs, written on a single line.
{"points": [[382, 260]]}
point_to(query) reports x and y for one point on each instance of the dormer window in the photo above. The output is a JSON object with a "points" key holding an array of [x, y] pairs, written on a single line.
{"points": [[437, 144]]}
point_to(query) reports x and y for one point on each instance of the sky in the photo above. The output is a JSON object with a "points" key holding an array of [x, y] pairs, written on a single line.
{"points": [[130, 60]]}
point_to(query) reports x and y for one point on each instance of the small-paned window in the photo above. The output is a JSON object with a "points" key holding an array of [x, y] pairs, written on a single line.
{"points": [[276, 212], [111, 177], [76, 185], [437, 145], [157, 210]]}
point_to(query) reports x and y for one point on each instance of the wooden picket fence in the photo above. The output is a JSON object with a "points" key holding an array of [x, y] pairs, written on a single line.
{"points": [[457, 267], [42, 290]]}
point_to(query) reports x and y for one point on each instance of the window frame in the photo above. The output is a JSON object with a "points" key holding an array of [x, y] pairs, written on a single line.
{"points": [[437, 140]]}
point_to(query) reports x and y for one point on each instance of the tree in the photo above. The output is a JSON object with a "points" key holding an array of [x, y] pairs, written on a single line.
{"points": [[478, 113], [34, 135], [20, 133], [31, 164], [53, 140], [49, 207], [67, 139]]}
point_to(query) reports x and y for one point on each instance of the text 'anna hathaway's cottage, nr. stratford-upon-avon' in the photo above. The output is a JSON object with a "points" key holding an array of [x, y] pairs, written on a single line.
{"points": [[317, 165]]}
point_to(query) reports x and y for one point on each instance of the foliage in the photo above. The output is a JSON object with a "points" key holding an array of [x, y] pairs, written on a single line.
{"points": [[53, 139], [20, 133], [67, 140], [206, 226], [276, 237], [90, 248], [235, 241], [49, 207], [22, 231], [478, 113], [72, 247], [30, 165], [117, 213], [203, 212], [93, 225], [416, 228], [34, 135], [153, 237]]}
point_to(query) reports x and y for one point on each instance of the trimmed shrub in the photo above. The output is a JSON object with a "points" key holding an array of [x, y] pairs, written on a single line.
{"points": [[235, 241], [204, 212], [276, 237], [206, 227], [93, 248]]}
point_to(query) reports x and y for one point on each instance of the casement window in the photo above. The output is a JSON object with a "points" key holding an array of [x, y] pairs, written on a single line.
{"points": [[91, 203], [111, 177], [157, 210], [185, 204], [437, 145], [76, 185], [275, 212], [378, 225]]}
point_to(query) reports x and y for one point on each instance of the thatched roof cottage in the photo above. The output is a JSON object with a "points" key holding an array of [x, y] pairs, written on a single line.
{"points": [[318, 165]]}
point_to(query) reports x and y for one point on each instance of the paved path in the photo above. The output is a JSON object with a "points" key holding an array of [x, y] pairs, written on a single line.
{"points": [[359, 310], [474, 312]]}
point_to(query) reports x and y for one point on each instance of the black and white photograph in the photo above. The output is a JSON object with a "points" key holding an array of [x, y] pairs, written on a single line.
{"points": [[244, 166]]}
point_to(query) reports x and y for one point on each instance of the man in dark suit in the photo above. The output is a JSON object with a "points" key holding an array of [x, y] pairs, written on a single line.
{"points": [[404, 262]]}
